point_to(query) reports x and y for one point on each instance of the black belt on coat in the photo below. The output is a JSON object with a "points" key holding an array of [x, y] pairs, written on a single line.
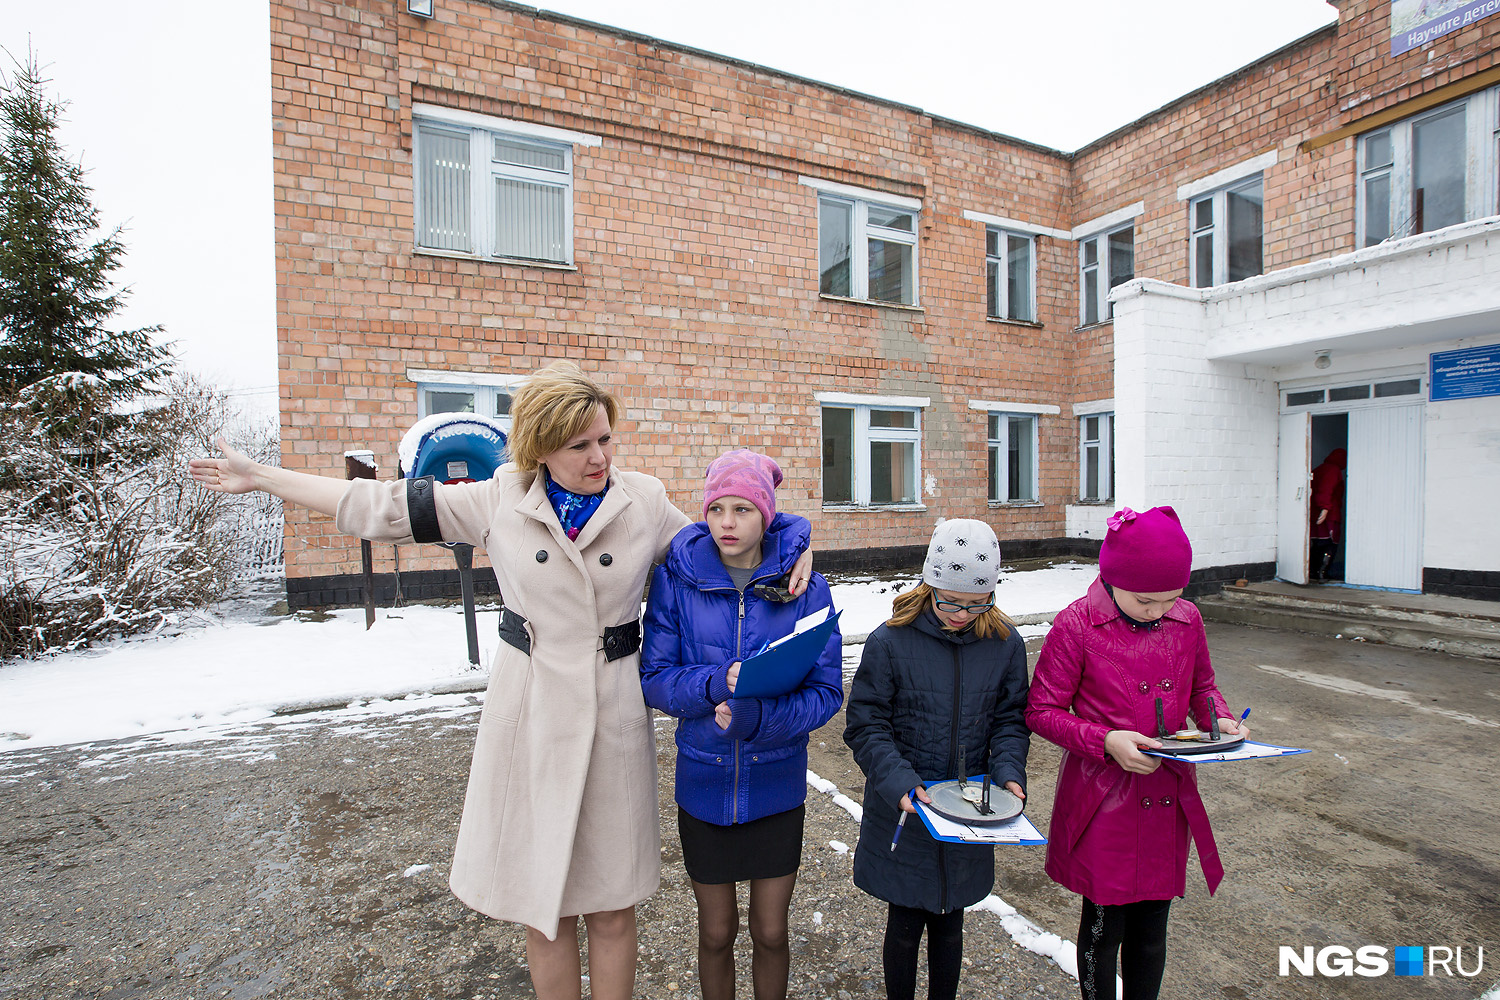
{"points": [[619, 640]]}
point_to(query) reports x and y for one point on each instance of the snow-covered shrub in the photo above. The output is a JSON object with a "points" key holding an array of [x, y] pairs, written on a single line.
{"points": [[101, 531]]}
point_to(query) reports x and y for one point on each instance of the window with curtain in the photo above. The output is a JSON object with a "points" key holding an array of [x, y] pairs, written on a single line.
{"points": [[1227, 233], [1012, 451], [871, 454], [867, 250], [1435, 169], [1096, 459], [1104, 261], [1010, 275], [491, 194]]}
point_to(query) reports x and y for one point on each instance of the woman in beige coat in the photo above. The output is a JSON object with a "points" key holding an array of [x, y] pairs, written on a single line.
{"points": [[560, 819]]}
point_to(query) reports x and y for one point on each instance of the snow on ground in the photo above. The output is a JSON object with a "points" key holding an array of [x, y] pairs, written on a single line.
{"points": [[244, 668]]}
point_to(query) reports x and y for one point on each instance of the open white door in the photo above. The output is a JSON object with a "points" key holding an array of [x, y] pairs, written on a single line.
{"points": [[1293, 480], [1383, 498]]}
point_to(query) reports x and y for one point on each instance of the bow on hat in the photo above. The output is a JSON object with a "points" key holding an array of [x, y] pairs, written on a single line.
{"points": [[1119, 517]]}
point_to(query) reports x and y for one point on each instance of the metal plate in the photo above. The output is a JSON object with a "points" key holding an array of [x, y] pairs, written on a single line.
{"points": [[958, 800], [1188, 748]]}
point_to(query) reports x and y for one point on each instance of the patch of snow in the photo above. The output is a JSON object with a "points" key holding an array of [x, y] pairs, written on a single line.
{"points": [[839, 847], [415, 870]]}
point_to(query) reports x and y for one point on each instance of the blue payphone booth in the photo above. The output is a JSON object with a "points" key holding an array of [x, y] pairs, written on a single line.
{"points": [[456, 448]]}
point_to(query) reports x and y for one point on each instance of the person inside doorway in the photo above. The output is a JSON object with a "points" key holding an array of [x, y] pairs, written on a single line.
{"points": [[1327, 514]]}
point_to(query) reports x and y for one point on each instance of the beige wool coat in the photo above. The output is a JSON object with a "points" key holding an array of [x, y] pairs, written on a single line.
{"points": [[560, 817]]}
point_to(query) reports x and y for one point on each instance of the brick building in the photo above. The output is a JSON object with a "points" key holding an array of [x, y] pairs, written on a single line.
{"points": [[919, 319]]}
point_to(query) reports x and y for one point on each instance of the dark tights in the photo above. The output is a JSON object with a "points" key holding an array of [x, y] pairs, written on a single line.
{"points": [[719, 925], [945, 952], [1136, 933]]}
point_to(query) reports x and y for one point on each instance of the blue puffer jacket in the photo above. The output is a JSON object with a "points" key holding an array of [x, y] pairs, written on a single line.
{"points": [[919, 695], [697, 624]]}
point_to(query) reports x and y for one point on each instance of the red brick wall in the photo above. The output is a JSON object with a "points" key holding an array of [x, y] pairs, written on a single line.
{"points": [[695, 291]]}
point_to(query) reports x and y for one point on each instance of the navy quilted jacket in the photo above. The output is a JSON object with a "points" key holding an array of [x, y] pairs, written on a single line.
{"points": [[697, 624], [919, 695]]}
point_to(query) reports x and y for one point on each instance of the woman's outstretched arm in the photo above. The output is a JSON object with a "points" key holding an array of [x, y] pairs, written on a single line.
{"points": [[237, 473]]}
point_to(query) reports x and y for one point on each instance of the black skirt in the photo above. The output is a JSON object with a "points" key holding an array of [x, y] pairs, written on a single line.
{"points": [[769, 847]]}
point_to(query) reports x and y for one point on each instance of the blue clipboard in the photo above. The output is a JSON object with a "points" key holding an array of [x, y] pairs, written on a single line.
{"points": [[1248, 750], [783, 667], [1020, 830]]}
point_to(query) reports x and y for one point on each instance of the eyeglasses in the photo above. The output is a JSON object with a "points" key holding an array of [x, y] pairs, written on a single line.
{"points": [[973, 609]]}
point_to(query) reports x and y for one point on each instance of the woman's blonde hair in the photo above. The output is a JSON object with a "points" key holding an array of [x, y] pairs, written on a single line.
{"points": [[554, 405], [908, 605]]}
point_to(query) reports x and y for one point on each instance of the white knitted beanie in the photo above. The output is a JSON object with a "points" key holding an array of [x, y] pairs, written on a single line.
{"points": [[963, 557]]}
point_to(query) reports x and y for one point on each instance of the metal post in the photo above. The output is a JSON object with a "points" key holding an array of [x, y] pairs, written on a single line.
{"points": [[361, 465], [463, 554]]}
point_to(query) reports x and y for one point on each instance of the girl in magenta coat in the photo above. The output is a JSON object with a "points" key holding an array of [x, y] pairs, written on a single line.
{"points": [[1121, 819]]}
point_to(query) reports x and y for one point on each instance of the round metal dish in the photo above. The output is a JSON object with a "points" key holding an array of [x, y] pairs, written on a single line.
{"points": [[1190, 748], [958, 800]]}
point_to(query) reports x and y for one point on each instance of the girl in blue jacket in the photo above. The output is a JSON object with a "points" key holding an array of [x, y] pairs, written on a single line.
{"points": [[940, 693], [741, 762]]}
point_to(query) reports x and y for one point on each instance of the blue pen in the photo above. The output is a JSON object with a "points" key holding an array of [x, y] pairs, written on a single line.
{"points": [[1244, 715], [899, 824]]}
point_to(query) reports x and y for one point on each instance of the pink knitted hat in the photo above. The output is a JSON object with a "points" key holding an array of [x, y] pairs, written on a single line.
{"points": [[744, 473], [1146, 552]]}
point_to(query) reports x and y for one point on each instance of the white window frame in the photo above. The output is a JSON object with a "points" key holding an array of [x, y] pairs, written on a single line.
{"points": [[1105, 446], [487, 388], [481, 132], [866, 435], [861, 231], [1103, 269], [1482, 175], [1218, 231], [998, 448], [1001, 263]]}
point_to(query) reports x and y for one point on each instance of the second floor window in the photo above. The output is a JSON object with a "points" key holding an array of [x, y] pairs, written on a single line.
{"points": [[1012, 449], [1226, 233], [871, 454], [1104, 261], [488, 193], [1010, 275], [1429, 171], [867, 250]]}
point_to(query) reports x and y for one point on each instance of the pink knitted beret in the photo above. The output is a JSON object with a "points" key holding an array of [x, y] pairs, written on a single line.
{"points": [[1146, 552], [744, 473]]}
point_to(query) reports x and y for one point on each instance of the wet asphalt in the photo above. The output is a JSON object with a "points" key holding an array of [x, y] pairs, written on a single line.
{"points": [[308, 857]]}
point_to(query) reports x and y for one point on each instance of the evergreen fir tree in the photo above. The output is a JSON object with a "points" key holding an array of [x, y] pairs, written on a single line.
{"points": [[56, 292]]}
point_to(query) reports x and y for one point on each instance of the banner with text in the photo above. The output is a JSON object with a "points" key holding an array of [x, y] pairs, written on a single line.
{"points": [[1417, 22]]}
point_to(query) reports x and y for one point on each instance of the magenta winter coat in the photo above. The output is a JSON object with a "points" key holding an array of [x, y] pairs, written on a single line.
{"points": [[1118, 837]]}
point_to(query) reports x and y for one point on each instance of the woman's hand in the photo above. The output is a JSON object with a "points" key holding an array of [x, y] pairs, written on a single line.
{"points": [[1123, 745], [801, 574], [1234, 727], [732, 677], [234, 473], [1015, 789], [906, 805], [1322, 516], [722, 715]]}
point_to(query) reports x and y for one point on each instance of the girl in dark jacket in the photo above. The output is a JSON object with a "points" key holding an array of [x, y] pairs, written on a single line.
{"points": [[939, 694], [741, 762]]}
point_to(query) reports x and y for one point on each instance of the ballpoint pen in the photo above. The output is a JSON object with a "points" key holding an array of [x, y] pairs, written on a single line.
{"points": [[899, 824]]}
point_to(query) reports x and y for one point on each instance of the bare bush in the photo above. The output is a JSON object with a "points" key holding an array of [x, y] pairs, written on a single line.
{"points": [[102, 534]]}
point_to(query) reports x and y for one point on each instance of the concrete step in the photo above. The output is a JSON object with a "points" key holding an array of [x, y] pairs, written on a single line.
{"points": [[1413, 621]]}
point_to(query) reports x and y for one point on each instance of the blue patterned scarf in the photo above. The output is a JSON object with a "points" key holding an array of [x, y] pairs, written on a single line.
{"points": [[573, 509]]}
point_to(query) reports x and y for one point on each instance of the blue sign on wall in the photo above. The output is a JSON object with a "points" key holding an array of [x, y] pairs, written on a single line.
{"points": [[1473, 371], [1417, 22]]}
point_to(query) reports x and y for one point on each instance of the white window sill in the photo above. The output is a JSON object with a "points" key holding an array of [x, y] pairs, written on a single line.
{"points": [[516, 261], [871, 302], [1094, 326], [1033, 324], [884, 508], [1095, 503], [1003, 504]]}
